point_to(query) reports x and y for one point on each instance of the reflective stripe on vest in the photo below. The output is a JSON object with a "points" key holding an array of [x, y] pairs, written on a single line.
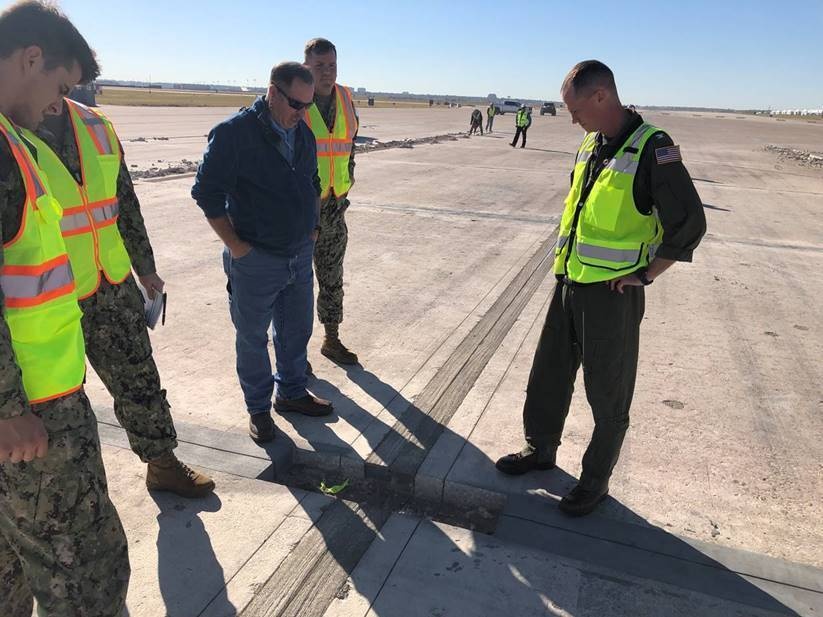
{"points": [[334, 148], [41, 307], [33, 285], [606, 254], [76, 221]]}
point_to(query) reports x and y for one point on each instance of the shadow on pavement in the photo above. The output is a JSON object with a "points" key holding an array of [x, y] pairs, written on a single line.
{"points": [[186, 563], [651, 554]]}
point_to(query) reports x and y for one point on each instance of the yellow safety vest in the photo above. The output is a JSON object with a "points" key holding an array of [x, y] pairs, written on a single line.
{"points": [[90, 209], [334, 148], [607, 236], [491, 111], [522, 118], [40, 300]]}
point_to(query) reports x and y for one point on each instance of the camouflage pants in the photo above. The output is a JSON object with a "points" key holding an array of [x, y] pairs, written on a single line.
{"points": [[119, 350], [329, 252], [61, 540]]}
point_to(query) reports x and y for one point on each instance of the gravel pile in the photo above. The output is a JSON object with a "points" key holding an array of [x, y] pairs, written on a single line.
{"points": [[406, 143], [183, 167], [802, 157]]}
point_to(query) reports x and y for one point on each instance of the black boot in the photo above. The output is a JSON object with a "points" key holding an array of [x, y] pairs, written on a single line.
{"points": [[582, 501], [528, 459]]}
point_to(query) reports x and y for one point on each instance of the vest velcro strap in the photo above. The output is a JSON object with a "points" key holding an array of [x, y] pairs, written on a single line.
{"points": [[32, 285], [617, 256]]}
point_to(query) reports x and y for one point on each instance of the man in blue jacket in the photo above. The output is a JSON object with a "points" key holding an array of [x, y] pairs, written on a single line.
{"points": [[259, 189]]}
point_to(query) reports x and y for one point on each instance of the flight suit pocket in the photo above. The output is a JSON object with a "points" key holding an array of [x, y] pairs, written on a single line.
{"points": [[602, 366]]}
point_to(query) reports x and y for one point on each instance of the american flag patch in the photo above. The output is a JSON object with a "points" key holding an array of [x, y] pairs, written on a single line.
{"points": [[669, 154]]}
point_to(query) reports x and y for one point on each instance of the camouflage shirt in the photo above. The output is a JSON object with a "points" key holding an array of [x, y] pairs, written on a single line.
{"points": [[13, 401], [58, 133]]}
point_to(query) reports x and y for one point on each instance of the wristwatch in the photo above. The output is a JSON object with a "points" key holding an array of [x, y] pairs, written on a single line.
{"points": [[641, 276]]}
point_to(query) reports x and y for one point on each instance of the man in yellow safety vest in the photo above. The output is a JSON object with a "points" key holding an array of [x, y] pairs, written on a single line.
{"points": [[61, 540], [106, 238], [334, 122]]}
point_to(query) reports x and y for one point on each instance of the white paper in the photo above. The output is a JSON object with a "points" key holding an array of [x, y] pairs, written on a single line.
{"points": [[152, 307]]}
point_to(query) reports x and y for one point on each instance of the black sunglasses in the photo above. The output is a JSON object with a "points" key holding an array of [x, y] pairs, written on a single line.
{"points": [[293, 103]]}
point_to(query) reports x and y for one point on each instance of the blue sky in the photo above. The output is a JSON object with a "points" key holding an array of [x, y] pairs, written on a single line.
{"points": [[720, 53]]}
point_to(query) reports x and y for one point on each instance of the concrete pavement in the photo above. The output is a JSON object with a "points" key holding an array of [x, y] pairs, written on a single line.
{"points": [[446, 289]]}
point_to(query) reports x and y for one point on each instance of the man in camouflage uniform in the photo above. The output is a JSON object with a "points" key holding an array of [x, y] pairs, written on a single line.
{"points": [[330, 249], [117, 340], [61, 540]]}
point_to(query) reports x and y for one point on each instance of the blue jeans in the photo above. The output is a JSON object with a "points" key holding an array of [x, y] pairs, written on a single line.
{"points": [[267, 290]]}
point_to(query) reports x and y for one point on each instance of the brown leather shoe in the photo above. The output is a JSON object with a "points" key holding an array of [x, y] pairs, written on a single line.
{"points": [[167, 473], [308, 405], [261, 427]]}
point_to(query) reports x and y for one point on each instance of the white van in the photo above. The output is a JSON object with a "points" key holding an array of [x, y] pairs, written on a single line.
{"points": [[509, 106]]}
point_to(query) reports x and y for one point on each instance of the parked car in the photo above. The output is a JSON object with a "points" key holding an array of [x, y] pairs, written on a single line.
{"points": [[548, 108], [509, 106]]}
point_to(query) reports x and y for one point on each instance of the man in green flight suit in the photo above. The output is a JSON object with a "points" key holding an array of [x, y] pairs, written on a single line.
{"points": [[632, 212]]}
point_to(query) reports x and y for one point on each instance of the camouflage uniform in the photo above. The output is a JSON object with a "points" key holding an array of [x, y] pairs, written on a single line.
{"points": [[114, 324], [61, 540], [330, 248]]}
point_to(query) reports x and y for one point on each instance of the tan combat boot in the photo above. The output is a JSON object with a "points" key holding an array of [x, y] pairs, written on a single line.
{"points": [[167, 473], [334, 349]]}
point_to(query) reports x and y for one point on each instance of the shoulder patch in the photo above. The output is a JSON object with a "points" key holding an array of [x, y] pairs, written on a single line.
{"points": [[668, 154]]}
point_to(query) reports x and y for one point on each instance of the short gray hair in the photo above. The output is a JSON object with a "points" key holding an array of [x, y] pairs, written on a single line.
{"points": [[588, 76], [285, 73]]}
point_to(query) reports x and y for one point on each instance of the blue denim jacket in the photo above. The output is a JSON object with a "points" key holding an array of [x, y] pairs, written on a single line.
{"points": [[271, 203]]}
